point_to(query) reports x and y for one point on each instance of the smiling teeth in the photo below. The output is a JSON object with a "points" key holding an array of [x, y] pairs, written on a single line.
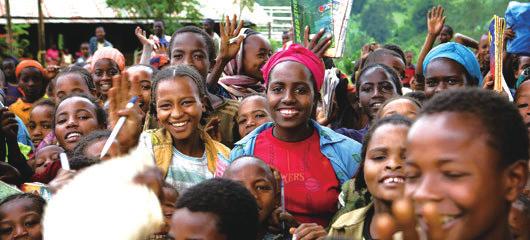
{"points": [[288, 111], [377, 105], [446, 219], [180, 124], [394, 180], [72, 135]]}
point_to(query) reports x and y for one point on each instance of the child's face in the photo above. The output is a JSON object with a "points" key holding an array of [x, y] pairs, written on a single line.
{"points": [[383, 165], [20, 220], [145, 83], [259, 182], [443, 74], [449, 162], [75, 117], [46, 156], [519, 222], [94, 149], [445, 36], [40, 123], [31, 82], [8, 66], [256, 52], [252, 112], [523, 103], [190, 49], [104, 70], [484, 45], [290, 94], [186, 225], [168, 208], [374, 89], [179, 107], [85, 49], [402, 107], [524, 62], [68, 84]]}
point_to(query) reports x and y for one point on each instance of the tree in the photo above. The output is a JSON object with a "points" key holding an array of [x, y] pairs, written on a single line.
{"points": [[245, 3], [19, 44], [169, 10]]}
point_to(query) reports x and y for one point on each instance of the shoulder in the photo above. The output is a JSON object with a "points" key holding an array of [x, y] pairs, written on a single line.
{"points": [[351, 219]]}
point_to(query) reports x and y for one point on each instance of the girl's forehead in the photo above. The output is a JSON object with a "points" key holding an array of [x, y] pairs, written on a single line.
{"points": [[376, 74], [105, 63], [75, 100]]}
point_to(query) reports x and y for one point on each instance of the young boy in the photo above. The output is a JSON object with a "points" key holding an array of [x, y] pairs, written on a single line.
{"points": [[215, 209], [467, 154], [260, 180]]}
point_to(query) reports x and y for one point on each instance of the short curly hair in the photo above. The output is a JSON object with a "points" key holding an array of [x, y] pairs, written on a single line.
{"points": [[38, 201], [500, 119], [210, 46], [235, 208], [79, 159]]}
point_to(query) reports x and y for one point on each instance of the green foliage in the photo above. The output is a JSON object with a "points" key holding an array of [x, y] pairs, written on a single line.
{"points": [[169, 10], [274, 2], [20, 42], [245, 4], [404, 22]]}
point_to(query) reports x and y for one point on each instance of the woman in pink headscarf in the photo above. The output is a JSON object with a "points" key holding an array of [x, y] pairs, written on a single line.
{"points": [[313, 160]]}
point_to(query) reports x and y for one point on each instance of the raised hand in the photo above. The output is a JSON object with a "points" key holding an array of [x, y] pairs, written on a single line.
{"points": [[123, 89], [142, 37], [404, 219], [9, 125], [229, 30], [435, 20], [315, 45]]}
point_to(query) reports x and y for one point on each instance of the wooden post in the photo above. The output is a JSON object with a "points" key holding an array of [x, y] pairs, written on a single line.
{"points": [[9, 39], [269, 26], [41, 39]]}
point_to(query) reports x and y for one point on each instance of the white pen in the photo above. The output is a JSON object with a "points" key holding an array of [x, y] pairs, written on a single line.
{"points": [[64, 161], [117, 128]]}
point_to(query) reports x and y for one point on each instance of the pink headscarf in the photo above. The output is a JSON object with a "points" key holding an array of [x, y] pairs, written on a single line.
{"points": [[300, 54], [110, 53]]}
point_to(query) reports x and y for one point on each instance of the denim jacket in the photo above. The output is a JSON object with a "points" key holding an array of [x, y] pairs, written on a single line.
{"points": [[343, 153]]}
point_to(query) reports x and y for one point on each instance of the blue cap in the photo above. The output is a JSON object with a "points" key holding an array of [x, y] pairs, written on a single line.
{"points": [[458, 53]]}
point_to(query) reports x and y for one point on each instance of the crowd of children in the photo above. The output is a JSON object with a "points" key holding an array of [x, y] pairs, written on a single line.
{"points": [[246, 148]]}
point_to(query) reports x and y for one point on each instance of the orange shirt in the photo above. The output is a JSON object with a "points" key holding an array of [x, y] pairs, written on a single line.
{"points": [[21, 109]]}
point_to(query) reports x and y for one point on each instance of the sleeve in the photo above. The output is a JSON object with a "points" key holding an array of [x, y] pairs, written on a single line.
{"points": [[23, 134]]}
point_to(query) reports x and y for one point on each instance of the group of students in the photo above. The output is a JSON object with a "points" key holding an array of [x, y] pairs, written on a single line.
{"points": [[243, 152]]}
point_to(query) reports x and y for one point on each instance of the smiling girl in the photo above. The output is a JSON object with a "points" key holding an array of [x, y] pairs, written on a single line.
{"points": [[313, 160], [381, 172], [185, 153], [75, 116]]}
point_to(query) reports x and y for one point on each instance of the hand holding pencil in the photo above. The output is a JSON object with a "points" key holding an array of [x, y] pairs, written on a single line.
{"points": [[122, 91]]}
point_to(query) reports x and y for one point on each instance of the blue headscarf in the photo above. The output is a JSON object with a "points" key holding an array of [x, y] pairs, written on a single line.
{"points": [[458, 53]]}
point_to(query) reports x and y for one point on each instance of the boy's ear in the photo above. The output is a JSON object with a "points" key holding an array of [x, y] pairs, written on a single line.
{"points": [[204, 101], [515, 177], [212, 64]]}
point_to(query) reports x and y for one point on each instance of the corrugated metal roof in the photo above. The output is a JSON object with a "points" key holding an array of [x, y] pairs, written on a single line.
{"points": [[97, 11]]}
